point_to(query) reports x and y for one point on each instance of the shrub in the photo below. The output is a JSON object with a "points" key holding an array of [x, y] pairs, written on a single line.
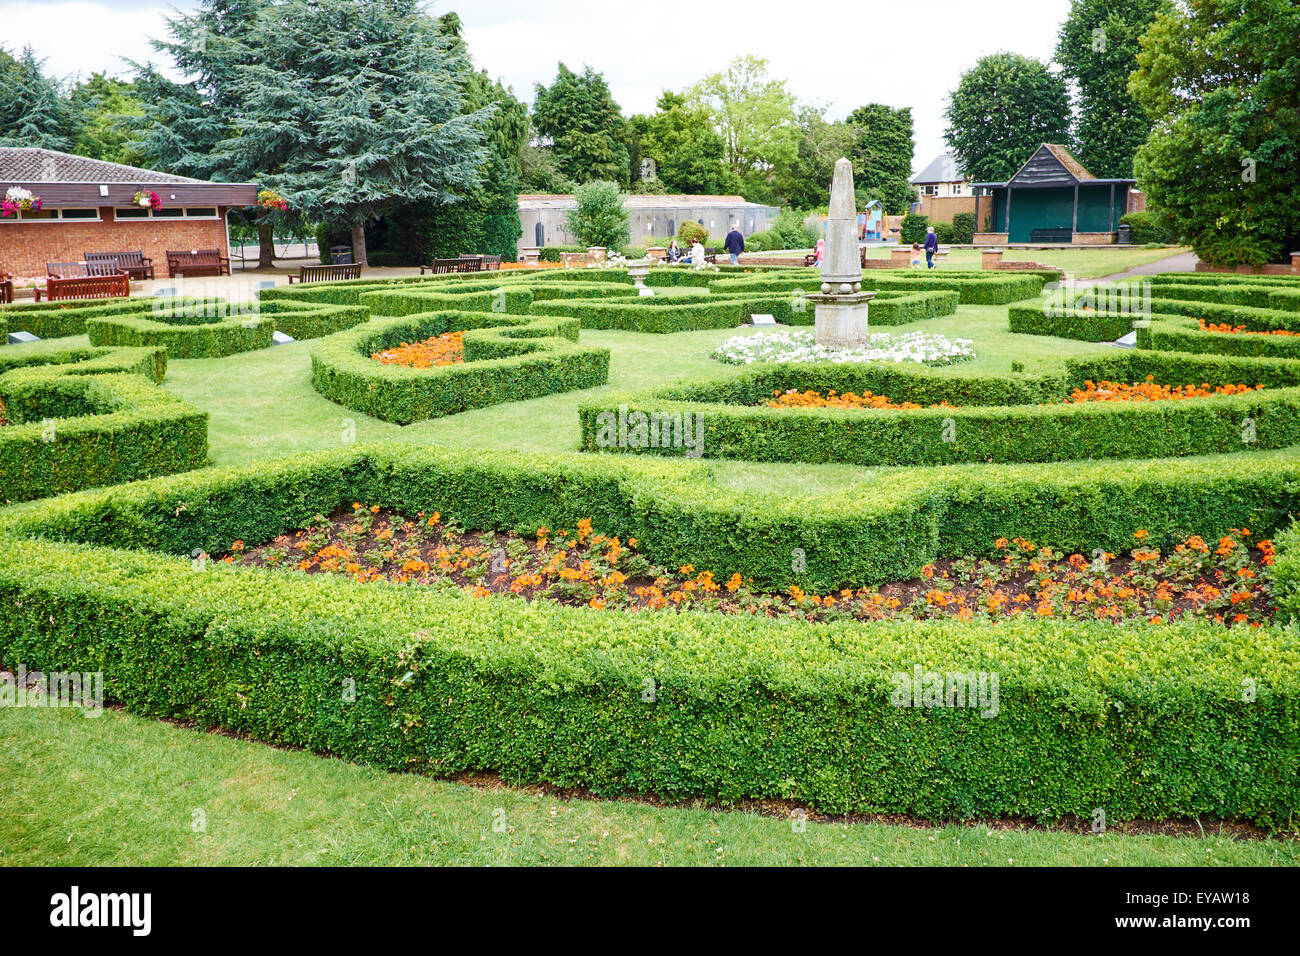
{"points": [[913, 228], [963, 228], [1133, 719], [943, 231], [601, 218], [507, 358], [689, 231], [90, 416], [1146, 227]]}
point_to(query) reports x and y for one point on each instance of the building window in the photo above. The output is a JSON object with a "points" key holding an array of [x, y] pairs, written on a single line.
{"points": [[168, 212], [52, 215]]}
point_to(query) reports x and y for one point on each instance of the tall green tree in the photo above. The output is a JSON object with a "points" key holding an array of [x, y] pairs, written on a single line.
{"points": [[883, 146], [805, 182], [755, 115], [582, 121], [33, 111], [368, 97], [1004, 107], [689, 154], [1097, 49], [1220, 80], [104, 108]]}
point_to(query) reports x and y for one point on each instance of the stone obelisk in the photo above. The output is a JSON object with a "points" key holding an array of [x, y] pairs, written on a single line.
{"points": [[841, 308]]}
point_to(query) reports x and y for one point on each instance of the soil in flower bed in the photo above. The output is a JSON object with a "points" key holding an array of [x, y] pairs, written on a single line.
{"points": [[1103, 391], [445, 349], [1227, 581]]}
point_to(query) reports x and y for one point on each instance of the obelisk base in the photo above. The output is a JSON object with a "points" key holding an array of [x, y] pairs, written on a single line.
{"points": [[841, 320]]}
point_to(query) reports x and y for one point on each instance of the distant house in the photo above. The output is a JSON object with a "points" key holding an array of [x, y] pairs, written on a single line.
{"points": [[1051, 198], [88, 205], [542, 216], [941, 178]]}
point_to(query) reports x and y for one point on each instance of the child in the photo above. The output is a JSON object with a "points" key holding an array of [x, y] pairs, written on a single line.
{"points": [[916, 255]]}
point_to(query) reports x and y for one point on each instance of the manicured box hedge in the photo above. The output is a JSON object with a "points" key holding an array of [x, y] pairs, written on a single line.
{"points": [[973, 288], [999, 419], [52, 320], [1145, 722], [653, 315], [507, 358], [1035, 317], [1177, 333], [86, 417]]}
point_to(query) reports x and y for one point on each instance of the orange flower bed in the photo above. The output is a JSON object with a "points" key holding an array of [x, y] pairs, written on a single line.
{"points": [[811, 399], [1150, 391], [1239, 329], [445, 349], [1228, 582]]}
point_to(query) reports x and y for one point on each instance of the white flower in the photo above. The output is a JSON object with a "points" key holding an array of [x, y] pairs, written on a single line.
{"points": [[799, 345]]}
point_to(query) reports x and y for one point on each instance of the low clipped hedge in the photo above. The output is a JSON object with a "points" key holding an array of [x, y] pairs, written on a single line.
{"points": [[1177, 333], [507, 358], [972, 288], [53, 320], [91, 416], [998, 419], [1089, 715], [1286, 573], [1036, 318], [655, 315]]}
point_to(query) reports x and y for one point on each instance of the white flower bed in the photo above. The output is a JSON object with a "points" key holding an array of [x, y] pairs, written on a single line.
{"points": [[798, 345]]}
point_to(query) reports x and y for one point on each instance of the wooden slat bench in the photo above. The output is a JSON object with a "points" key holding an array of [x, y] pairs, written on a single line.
{"points": [[87, 287], [325, 273], [135, 264], [1051, 235], [443, 266], [489, 262], [197, 262]]}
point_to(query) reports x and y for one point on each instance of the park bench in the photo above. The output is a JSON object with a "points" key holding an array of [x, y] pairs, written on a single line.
{"points": [[326, 273], [197, 262], [135, 264], [488, 262], [87, 287], [1051, 235], [711, 255], [444, 266], [81, 270], [6, 288]]}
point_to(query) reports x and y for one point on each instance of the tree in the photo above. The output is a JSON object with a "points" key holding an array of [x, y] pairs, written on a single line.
{"points": [[188, 127], [689, 154], [538, 171], [365, 99], [883, 146], [805, 183], [600, 219], [103, 108], [1003, 109], [32, 109], [582, 121], [755, 115], [1221, 83], [1097, 49]]}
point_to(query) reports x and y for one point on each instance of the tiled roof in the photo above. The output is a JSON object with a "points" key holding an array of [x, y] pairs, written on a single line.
{"points": [[942, 169], [28, 164]]}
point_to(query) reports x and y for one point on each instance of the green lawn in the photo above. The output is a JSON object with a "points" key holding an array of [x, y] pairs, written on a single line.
{"points": [[121, 790]]}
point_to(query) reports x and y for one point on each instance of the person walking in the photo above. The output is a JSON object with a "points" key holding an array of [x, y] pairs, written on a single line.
{"points": [[931, 246], [735, 245]]}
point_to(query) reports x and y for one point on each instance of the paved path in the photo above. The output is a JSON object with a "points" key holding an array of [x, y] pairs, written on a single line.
{"points": [[1183, 262]]}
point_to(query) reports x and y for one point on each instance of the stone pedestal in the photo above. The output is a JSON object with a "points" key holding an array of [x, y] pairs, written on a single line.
{"points": [[840, 321], [657, 253], [990, 258]]}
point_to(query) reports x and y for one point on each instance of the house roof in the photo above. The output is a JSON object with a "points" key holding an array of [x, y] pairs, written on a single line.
{"points": [[941, 169], [65, 180], [29, 164], [1051, 164]]}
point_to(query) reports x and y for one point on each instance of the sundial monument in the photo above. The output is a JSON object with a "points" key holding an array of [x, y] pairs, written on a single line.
{"points": [[841, 307]]}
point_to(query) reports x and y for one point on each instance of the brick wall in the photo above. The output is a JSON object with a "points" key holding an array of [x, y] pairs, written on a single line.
{"points": [[1093, 239], [25, 247]]}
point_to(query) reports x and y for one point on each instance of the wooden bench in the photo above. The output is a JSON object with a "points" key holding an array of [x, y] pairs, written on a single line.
{"points": [[6, 290], [489, 262], [87, 287], [197, 262], [1051, 235], [326, 273], [711, 255], [80, 270], [444, 266], [135, 264]]}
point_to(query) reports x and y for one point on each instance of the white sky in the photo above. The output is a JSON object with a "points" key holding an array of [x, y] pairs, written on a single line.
{"points": [[837, 52]]}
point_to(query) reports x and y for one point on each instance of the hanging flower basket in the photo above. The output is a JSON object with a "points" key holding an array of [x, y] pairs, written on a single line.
{"points": [[147, 199], [270, 199], [17, 198]]}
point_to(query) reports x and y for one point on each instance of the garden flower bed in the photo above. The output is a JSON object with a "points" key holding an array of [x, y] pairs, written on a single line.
{"points": [[800, 346], [1228, 584], [437, 350]]}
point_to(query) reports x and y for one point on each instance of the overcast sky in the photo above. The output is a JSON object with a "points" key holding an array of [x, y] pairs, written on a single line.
{"points": [[841, 53]]}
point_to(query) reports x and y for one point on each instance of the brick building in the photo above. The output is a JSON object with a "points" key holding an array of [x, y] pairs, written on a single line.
{"points": [[87, 205]]}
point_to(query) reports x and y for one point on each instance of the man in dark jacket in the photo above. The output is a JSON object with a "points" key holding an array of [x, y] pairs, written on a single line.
{"points": [[931, 246], [735, 245]]}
